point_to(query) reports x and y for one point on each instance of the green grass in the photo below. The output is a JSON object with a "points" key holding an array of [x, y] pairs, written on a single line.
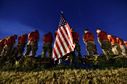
{"points": [[111, 72], [65, 76]]}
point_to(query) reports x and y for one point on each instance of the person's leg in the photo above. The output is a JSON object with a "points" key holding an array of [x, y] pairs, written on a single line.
{"points": [[22, 49], [105, 50], [44, 51], [123, 50], [87, 50], [78, 49], [9, 50], [19, 50], [3, 55], [13, 57], [1, 48], [72, 58], [114, 50], [34, 48], [102, 46], [9, 53], [3, 51], [95, 49], [50, 51], [77, 54], [90, 48], [28, 49], [119, 49]]}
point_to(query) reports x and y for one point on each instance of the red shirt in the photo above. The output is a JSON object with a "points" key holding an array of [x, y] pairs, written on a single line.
{"points": [[102, 36], [33, 36], [75, 36], [48, 38], [10, 40], [113, 40], [120, 41], [88, 37], [22, 39]]}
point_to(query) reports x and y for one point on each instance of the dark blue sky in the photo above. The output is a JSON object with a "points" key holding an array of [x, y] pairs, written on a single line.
{"points": [[23, 16]]}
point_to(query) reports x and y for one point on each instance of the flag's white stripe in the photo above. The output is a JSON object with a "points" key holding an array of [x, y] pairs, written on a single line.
{"points": [[57, 51], [65, 37], [64, 42], [69, 35], [60, 46], [53, 55], [54, 51], [64, 32]]}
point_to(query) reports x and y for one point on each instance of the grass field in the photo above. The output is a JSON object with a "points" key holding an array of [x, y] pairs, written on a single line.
{"points": [[65, 76]]}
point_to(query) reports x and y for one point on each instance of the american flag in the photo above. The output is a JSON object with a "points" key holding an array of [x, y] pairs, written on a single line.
{"points": [[64, 42]]}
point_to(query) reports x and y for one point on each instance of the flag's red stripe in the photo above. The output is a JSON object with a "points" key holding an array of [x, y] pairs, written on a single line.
{"points": [[66, 42], [62, 44], [65, 39], [68, 27], [54, 51], [65, 29], [58, 47]]}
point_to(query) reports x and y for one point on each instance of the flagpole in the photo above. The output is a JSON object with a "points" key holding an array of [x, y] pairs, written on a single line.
{"points": [[62, 14]]}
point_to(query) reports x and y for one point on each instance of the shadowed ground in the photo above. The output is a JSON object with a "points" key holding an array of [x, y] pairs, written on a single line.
{"points": [[31, 71]]}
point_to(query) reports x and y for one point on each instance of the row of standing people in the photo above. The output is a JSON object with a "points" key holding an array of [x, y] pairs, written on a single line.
{"points": [[110, 44], [9, 48]]}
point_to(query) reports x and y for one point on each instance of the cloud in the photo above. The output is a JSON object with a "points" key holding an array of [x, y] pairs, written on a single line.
{"points": [[8, 28]]}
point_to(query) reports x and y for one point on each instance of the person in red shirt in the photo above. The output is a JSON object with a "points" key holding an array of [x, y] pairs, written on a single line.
{"points": [[32, 44], [115, 47], [75, 37], [75, 56], [104, 43], [21, 44], [122, 46], [1, 45], [125, 43], [88, 39], [9, 45], [47, 45]]}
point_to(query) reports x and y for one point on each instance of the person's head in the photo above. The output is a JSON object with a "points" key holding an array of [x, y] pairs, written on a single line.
{"points": [[125, 41], [98, 30], [109, 35], [86, 30], [117, 38]]}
